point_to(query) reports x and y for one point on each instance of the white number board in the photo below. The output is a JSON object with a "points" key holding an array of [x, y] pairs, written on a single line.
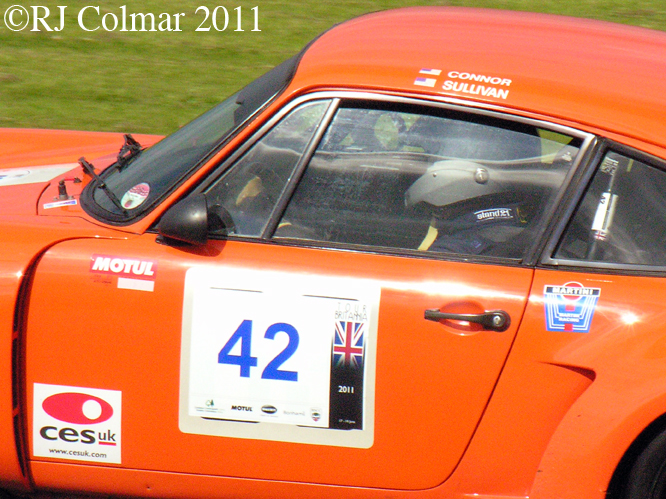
{"points": [[291, 353]]}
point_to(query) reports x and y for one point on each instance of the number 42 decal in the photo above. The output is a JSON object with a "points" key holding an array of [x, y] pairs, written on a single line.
{"points": [[245, 361]]}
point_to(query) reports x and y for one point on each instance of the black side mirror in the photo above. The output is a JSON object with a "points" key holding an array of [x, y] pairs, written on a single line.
{"points": [[187, 221], [220, 221]]}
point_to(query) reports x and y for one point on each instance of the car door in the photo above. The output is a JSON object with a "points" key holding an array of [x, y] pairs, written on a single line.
{"points": [[345, 322]]}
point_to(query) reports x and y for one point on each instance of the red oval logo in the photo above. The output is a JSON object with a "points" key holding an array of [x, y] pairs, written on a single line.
{"points": [[573, 284], [77, 408]]}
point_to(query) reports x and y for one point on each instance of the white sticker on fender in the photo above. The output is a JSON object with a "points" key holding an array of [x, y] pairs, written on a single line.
{"points": [[82, 424], [294, 353], [33, 174]]}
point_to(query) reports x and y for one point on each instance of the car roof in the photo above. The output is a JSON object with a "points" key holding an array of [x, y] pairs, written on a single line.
{"points": [[594, 73]]}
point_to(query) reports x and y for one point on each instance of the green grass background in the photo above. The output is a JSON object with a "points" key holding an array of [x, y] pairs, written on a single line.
{"points": [[154, 82]]}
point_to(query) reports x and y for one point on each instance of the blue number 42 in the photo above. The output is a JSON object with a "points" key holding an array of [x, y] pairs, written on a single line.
{"points": [[245, 361]]}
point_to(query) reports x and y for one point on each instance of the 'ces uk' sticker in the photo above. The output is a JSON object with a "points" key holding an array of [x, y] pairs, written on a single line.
{"points": [[82, 424]]}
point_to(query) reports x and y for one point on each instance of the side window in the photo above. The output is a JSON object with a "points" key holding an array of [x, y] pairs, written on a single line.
{"points": [[622, 217], [417, 180], [243, 199]]}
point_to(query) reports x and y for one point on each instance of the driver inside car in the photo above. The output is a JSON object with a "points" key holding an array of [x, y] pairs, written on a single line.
{"points": [[474, 209]]}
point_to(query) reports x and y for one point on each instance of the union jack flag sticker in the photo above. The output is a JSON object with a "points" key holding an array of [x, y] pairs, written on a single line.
{"points": [[349, 343]]}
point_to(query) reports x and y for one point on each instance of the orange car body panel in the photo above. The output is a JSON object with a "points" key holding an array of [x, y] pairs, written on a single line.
{"points": [[553, 421], [25, 237], [464, 368]]}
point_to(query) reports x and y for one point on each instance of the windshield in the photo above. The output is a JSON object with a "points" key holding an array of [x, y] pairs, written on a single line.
{"points": [[154, 172]]}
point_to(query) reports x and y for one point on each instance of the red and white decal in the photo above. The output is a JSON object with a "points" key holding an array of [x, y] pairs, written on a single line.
{"points": [[133, 273], [135, 196], [74, 423]]}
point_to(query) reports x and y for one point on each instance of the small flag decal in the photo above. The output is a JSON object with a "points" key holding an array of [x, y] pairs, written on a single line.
{"points": [[425, 82]]}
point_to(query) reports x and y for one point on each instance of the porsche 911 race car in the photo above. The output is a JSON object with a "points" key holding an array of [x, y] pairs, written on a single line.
{"points": [[424, 258]]}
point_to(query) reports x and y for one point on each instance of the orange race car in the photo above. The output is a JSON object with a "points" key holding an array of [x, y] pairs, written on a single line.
{"points": [[424, 258]]}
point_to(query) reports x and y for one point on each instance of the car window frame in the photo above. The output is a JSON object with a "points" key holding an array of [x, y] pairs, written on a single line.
{"points": [[582, 184], [231, 160], [282, 74], [337, 98]]}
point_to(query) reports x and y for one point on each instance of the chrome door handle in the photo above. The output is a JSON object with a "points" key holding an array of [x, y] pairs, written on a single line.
{"points": [[494, 320]]}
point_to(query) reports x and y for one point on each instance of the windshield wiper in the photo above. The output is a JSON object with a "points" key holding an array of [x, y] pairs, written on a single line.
{"points": [[90, 170], [129, 149]]}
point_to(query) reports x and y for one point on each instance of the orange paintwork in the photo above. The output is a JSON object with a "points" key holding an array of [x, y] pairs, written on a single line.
{"points": [[464, 368], [47, 147], [522, 413]]}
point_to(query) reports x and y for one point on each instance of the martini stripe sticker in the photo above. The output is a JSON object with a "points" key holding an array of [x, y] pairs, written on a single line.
{"points": [[570, 307]]}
